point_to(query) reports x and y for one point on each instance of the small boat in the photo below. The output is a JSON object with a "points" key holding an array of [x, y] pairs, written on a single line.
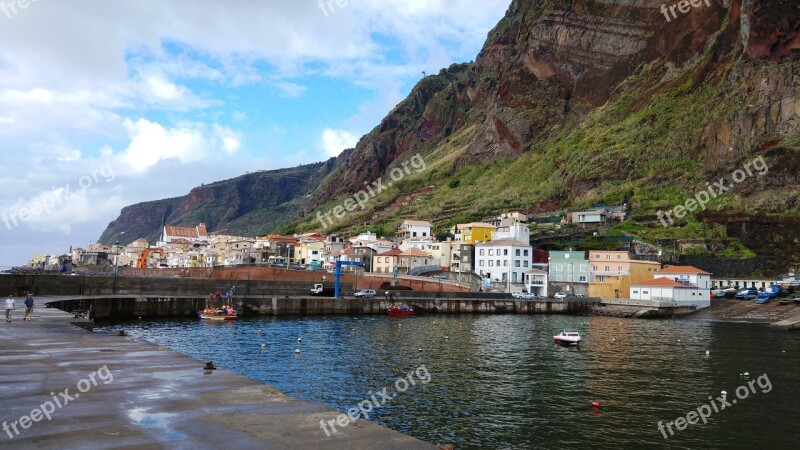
{"points": [[568, 337], [786, 301], [763, 297], [218, 314], [401, 311]]}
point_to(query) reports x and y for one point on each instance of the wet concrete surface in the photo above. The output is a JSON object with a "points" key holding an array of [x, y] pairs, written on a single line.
{"points": [[116, 392]]}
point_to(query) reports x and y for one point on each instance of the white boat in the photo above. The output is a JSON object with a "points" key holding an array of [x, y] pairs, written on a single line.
{"points": [[568, 337]]}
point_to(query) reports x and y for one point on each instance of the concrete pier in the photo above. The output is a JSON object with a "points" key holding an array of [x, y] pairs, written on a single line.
{"points": [[62, 387], [151, 306]]}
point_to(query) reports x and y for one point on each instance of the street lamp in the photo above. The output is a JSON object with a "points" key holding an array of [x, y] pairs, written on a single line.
{"points": [[116, 262]]}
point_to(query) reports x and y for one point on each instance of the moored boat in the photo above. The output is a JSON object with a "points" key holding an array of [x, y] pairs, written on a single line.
{"points": [[567, 337], [401, 311], [218, 314]]}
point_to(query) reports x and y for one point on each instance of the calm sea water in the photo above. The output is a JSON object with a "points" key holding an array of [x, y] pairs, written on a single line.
{"points": [[500, 382]]}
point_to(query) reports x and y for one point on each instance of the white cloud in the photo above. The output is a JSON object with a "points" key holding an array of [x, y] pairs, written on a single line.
{"points": [[335, 141]]}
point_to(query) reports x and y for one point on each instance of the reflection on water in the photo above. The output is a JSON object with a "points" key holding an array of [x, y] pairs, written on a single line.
{"points": [[500, 382]]}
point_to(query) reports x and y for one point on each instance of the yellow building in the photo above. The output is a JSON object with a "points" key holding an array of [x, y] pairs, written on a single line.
{"points": [[471, 233], [611, 273], [310, 250], [386, 262]]}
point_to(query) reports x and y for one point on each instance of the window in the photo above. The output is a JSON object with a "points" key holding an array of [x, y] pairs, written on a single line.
{"points": [[619, 256], [582, 278], [525, 263], [583, 268], [491, 252], [607, 269], [525, 252], [481, 252], [414, 234], [387, 259], [505, 263], [608, 256], [480, 263], [516, 263], [619, 270], [498, 263], [517, 254], [505, 252], [635, 291], [491, 263], [645, 292], [594, 268], [601, 279]]}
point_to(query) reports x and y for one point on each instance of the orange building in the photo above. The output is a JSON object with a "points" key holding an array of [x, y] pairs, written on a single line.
{"points": [[611, 273]]}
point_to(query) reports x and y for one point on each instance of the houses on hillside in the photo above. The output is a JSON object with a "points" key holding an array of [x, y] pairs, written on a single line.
{"points": [[495, 253]]}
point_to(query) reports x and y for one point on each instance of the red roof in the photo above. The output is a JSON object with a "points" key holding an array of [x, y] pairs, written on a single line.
{"points": [[392, 252], [663, 282], [682, 270]]}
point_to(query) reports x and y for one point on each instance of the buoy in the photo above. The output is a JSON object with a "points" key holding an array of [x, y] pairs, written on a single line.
{"points": [[596, 404], [419, 349], [259, 331], [263, 345], [708, 353], [613, 339], [299, 340], [746, 374], [297, 350], [679, 340], [724, 393], [354, 330], [447, 337]]}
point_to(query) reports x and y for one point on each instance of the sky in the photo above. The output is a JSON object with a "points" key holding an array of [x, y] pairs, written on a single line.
{"points": [[105, 104]]}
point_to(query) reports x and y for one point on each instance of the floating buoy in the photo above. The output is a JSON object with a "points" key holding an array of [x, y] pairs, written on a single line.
{"points": [[708, 353], [596, 404], [259, 331], [419, 349], [354, 330], [613, 339], [263, 345], [297, 350], [679, 340], [724, 393], [447, 337], [299, 340], [746, 374]]}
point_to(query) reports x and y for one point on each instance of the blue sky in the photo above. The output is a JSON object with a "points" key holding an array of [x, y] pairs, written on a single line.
{"points": [[107, 104]]}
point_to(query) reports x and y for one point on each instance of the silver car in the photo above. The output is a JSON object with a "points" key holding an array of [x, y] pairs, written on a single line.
{"points": [[365, 293]]}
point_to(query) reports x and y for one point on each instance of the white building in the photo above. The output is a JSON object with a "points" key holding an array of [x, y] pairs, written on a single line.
{"points": [[676, 285], [516, 231], [414, 229], [503, 260], [536, 282], [197, 234]]}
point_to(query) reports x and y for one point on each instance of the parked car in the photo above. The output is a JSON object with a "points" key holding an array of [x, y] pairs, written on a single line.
{"points": [[317, 289], [365, 293], [560, 295]]}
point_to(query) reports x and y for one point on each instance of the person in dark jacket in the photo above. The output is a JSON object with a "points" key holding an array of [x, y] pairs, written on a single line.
{"points": [[28, 307]]}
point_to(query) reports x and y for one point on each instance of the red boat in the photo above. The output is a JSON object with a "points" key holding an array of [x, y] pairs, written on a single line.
{"points": [[401, 311]]}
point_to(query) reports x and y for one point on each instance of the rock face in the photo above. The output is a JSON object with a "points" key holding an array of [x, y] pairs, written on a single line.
{"points": [[243, 205]]}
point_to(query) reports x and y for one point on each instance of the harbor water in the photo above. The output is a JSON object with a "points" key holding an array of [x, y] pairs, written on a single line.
{"points": [[499, 381]]}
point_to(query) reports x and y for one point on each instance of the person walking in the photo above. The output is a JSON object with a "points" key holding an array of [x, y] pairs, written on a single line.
{"points": [[10, 306], [28, 307]]}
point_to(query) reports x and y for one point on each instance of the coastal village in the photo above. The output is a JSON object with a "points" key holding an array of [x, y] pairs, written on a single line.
{"points": [[498, 255]]}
